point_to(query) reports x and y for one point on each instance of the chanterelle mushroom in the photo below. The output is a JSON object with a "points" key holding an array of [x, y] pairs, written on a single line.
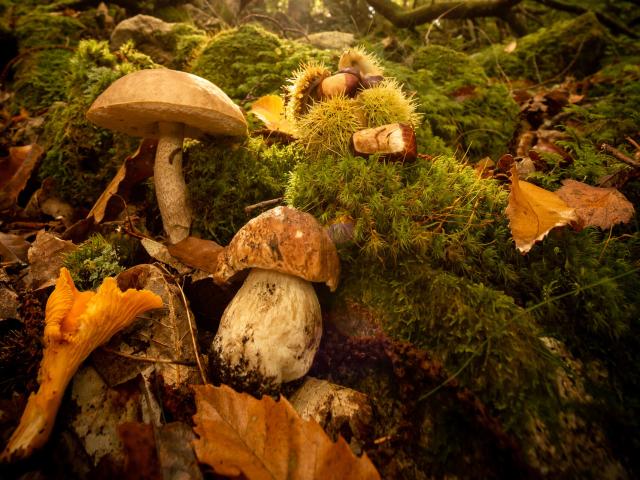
{"points": [[75, 324], [271, 330], [168, 105]]}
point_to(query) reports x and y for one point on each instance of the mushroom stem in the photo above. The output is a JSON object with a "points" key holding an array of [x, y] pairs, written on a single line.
{"points": [[171, 189]]}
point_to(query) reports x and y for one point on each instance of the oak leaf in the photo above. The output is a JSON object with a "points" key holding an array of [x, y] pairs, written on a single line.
{"points": [[534, 211], [266, 439], [270, 109], [596, 206]]}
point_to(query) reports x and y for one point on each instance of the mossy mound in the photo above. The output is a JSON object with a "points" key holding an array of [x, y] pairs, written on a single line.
{"points": [[248, 62], [224, 178], [575, 47], [81, 157], [92, 262], [460, 104], [425, 259], [45, 40]]}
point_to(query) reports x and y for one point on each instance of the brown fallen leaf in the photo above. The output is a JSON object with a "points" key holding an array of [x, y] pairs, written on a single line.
{"points": [[265, 439], [25, 159], [270, 110], [13, 249], [595, 206], [198, 253], [534, 211], [136, 167]]}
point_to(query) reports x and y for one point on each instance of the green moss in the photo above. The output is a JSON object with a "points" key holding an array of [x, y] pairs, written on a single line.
{"points": [[575, 46], [186, 43], [80, 157], [93, 261], [460, 104], [248, 62], [40, 26], [224, 178]]}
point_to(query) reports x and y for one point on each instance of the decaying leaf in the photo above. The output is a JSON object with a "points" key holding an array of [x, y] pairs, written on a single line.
{"points": [[24, 160], [534, 211], [198, 253], [595, 206], [136, 167], [270, 109], [265, 439], [13, 248]]}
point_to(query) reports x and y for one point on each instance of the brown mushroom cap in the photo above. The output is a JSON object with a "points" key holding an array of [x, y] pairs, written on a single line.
{"points": [[135, 103], [285, 240]]}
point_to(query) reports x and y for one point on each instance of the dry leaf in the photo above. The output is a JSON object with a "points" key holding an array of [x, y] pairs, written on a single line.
{"points": [[13, 248], [24, 160], [533, 212], [595, 206], [270, 109], [136, 167], [198, 253], [265, 439]]}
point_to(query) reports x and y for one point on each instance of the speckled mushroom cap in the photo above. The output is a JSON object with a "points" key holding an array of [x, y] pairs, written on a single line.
{"points": [[135, 103], [285, 240]]}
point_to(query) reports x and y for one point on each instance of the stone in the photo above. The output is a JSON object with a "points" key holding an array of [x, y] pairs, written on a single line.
{"points": [[331, 40], [339, 410]]}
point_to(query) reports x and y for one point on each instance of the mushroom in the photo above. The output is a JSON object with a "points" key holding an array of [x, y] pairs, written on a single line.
{"points": [[75, 324], [168, 105], [271, 330]]}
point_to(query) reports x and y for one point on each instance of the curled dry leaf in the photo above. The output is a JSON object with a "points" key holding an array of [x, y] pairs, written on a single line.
{"points": [[265, 439], [136, 167], [595, 206], [22, 162], [197, 252], [533, 212], [270, 110]]}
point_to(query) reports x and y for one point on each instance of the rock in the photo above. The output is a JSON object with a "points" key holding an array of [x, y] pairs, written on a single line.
{"points": [[166, 43], [339, 410], [145, 32], [45, 260], [331, 40], [162, 334]]}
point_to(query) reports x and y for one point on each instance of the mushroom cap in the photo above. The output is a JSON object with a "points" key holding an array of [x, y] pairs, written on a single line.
{"points": [[135, 103], [285, 240]]}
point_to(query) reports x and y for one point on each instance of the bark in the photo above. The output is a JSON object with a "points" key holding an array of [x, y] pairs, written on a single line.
{"points": [[402, 18]]}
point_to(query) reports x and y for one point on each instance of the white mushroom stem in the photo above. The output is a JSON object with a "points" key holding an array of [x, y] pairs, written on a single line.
{"points": [[171, 189], [271, 328]]}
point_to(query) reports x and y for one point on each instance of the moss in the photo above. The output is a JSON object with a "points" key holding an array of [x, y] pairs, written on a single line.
{"points": [[460, 104], [93, 261], [224, 178], [41, 26], [80, 157], [577, 45], [248, 62], [186, 44]]}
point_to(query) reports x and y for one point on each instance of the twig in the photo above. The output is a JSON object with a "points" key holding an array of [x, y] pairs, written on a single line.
{"points": [[619, 155], [147, 359], [265, 203], [193, 335]]}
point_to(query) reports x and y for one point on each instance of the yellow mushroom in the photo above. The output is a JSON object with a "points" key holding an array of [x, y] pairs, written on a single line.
{"points": [[75, 324]]}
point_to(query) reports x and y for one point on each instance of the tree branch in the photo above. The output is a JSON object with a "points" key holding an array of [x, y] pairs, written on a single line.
{"points": [[402, 18], [609, 22]]}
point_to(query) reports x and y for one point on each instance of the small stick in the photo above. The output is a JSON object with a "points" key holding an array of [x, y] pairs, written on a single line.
{"points": [[619, 155], [266, 203], [193, 336]]}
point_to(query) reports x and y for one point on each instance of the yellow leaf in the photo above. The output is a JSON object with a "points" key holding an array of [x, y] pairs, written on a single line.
{"points": [[270, 109], [266, 439], [533, 212]]}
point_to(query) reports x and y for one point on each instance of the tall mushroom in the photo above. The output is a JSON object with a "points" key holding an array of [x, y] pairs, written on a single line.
{"points": [[271, 330], [168, 105]]}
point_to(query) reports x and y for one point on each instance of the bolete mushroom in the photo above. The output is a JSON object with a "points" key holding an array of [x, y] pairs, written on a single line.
{"points": [[75, 324], [168, 105], [271, 330]]}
